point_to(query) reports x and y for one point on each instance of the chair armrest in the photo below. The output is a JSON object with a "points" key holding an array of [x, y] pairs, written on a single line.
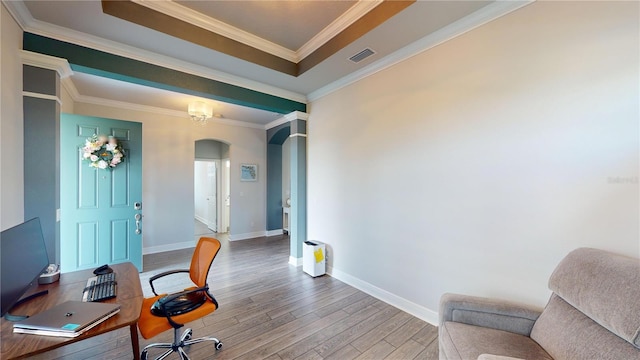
{"points": [[163, 274], [490, 313]]}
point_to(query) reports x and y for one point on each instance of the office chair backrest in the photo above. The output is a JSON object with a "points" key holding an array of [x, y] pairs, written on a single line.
{"points": [[206, 250]]}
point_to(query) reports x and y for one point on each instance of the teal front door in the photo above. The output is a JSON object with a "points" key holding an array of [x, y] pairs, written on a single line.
{"points": [[100, 209]]}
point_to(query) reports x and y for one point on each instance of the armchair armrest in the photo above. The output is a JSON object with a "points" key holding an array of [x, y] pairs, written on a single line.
{"points": [[163, 274], [490, 313]]}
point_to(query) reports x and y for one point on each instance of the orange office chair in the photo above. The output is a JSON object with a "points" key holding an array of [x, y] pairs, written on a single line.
{"points": [[163, 312]]}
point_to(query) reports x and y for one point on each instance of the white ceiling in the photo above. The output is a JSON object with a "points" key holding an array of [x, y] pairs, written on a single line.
{"points": [[288, 29]]}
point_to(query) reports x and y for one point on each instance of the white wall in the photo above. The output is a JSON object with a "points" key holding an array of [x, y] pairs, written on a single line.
{"points": [[11, 128], [474, 167], [168, 153]]}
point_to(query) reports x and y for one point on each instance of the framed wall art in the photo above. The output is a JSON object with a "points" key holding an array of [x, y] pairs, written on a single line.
{"points": [[248, 172]]}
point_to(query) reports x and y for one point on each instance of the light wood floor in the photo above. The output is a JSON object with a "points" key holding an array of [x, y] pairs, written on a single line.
{"points": [[271, 310]]}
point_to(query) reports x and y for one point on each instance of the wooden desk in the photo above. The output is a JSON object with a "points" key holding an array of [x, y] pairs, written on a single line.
{"points": [[129, 296]]}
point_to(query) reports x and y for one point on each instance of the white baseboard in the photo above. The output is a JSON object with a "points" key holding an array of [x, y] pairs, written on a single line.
{"points": [[168, 247], [414, 309], [275, 232], [188, 244], [253, 235], [295, 261], [245, 236]]}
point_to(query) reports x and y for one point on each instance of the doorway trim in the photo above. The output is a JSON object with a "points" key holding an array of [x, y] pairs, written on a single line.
{"points": [[218, 151]]}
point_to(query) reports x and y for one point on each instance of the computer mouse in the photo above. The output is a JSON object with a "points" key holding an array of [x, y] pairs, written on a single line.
{"points": [[104, 269]]}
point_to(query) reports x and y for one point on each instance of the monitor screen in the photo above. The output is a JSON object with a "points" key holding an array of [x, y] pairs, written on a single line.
{"points": [[23, 257]]}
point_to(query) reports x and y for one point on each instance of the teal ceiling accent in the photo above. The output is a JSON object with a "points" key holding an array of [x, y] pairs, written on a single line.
{"points": [[95, 62], [279, 134]]}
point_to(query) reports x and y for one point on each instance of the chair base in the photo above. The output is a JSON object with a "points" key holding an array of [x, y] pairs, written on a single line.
{"points": [[178, 345]]}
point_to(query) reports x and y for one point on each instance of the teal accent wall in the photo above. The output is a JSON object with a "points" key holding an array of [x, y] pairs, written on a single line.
{"points": [[95, 62], [275, 138], [274, 187], [298, 169]]}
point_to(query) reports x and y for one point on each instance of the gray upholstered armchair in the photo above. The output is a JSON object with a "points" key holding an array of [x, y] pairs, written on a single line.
{"points": [[593, 313]]}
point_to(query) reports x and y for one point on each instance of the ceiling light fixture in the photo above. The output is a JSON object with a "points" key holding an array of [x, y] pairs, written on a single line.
{"points": [[200, 112]]}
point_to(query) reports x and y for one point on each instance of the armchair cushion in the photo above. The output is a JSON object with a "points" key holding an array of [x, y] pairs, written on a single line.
{"points": [[603, 286], [568, 334]]}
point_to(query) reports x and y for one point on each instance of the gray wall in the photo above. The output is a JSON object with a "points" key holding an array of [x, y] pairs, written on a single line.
{"points": [[211, 149], [41, 153]]}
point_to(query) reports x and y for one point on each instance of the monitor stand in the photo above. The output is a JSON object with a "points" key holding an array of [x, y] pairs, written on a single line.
{"points": [[10, 317]]}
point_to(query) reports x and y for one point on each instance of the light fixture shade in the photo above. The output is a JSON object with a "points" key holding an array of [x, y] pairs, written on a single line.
{"points": [[200, 111]]}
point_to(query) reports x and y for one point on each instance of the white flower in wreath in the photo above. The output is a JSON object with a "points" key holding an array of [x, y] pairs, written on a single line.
{"points": [[102, 152]]}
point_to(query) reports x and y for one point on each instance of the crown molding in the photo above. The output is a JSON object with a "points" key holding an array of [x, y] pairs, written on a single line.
{"points": [[195, 18], [71, 89], [64, 70], [19, 12], [296, 115], [29, 24], [486, 14], [61, 66], [277, 122], [134, 53], [338, 25]]}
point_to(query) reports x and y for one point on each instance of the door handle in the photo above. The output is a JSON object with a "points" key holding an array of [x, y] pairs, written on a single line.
{"points": [[138, 217]]}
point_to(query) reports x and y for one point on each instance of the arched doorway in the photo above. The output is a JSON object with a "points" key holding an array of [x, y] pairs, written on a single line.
{"points": [[211, 187], [294, 129]]}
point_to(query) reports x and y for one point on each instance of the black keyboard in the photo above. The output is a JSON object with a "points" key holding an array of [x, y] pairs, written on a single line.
{"points": [[101, 287]]}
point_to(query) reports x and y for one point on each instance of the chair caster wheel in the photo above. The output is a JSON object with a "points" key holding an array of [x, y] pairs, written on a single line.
{"points": [[143, 356], [218, 345]]}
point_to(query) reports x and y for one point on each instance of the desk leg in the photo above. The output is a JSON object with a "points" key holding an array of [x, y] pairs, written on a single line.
{"points": [[135, 343]]}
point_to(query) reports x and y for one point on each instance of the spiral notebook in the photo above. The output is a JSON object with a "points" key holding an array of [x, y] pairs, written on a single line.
{"points": [[69, 319]]}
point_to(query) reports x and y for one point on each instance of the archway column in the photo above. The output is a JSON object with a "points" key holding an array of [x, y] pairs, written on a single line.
{"points": [[41, 76], [298, 167]]}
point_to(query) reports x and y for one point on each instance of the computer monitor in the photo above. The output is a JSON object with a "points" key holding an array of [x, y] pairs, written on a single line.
{"points": [[24, 257]]}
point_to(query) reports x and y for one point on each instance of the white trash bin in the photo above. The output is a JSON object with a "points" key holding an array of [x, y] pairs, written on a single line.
{"points": [[313, 258]]}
